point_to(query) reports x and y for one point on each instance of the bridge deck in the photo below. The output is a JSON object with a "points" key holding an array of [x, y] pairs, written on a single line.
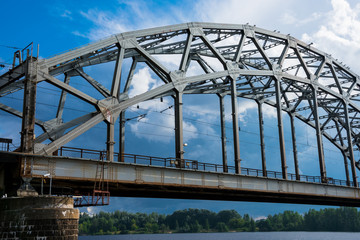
{"points": [[188, 164], [139, 180]]}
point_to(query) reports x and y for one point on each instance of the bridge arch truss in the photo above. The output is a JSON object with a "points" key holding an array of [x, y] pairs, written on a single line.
{"points": [[266, 66]]}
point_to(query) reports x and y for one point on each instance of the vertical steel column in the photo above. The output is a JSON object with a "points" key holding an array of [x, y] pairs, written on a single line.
{"points": [[122, 136], [350, 145], [262, 140], [28, 123], [29, 104], [223, 133], [179, 137], [345, 154], [62, 100], [115, 89], [110, 140], [319, 137], [281, 129], [122, 114], [235, 120], [293, 136], [346, 169]]}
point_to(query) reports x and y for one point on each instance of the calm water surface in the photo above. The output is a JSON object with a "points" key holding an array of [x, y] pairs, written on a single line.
{"points": [[233, 236]]}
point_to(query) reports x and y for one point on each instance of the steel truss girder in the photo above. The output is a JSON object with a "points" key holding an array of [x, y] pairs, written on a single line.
{"points": [[296, 66]]}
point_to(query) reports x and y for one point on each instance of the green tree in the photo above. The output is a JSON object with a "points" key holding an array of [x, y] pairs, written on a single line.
{"points": [[207, 225], [221, 227], [236, 223], [225, 216], [264, 225], [195, 220], [195, 227], [252, 225], [177, 227], [133, 225]]}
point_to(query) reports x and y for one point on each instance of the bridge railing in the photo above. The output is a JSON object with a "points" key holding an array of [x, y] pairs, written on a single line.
{"points": [[187, 164]]}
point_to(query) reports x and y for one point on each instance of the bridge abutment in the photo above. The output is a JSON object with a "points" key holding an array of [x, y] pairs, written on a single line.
{"points": [[40, 217]]}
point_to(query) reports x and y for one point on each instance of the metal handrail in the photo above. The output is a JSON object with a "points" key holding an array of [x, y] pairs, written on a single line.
{"points": [[172, 162]]}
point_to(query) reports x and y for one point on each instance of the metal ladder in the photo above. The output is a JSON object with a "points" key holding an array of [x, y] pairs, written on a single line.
{"points": [[100, 195]]}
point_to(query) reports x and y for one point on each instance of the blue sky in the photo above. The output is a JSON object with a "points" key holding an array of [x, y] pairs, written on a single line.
{"points": [[333, 26]]}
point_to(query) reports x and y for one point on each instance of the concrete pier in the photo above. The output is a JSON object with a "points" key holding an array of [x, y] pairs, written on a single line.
{"points": [[41, 217]]}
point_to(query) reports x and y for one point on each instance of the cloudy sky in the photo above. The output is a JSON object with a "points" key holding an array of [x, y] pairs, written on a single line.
{"points": [[332, 26]]}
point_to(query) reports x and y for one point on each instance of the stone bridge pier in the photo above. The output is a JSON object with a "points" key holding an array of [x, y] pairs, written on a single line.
{"points": [[38, 217]]}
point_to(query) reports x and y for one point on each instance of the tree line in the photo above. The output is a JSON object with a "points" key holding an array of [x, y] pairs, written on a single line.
{"points": [[201, 220]]}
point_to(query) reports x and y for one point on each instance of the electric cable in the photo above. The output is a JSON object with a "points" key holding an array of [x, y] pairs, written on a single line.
{"points": [[195, 120]]}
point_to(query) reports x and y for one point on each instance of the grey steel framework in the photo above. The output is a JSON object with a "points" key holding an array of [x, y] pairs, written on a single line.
{"points": [[266, 66]]}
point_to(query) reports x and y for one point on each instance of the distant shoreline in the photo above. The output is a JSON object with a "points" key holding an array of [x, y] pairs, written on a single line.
{"points": [[205, 221]]}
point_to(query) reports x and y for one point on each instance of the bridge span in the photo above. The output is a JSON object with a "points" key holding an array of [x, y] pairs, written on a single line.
{"points": [[227, 61], [144, 176]]}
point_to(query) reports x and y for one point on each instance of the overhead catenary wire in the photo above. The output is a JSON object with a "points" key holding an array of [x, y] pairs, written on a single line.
{"points": [[200, 133], [170, 137], [47, 104], [191, 119], [12, 47], [242, 130], [164, 112]]}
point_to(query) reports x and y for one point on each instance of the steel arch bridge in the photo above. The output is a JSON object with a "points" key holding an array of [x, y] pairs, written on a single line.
{"points": [[236, 60]]}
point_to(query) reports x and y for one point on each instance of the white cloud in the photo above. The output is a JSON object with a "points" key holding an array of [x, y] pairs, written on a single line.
{"points": [[142, 82], [339, 34], [260, 218], [290, 18], [77, 33], [66, 14], [190, 131], [204, 111], [155, 126], [130, 15], [244, 106], [238, 11], [91, 211], [158, 127], [270, 111], [105, 24]]}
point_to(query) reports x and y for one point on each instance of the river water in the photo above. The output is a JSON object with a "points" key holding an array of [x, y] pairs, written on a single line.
{"points": [[233, 236]]}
